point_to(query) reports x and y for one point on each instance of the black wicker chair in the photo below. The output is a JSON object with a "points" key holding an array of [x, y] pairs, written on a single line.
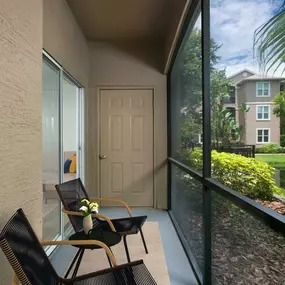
{"points": [[73, 191], [32, 266]]}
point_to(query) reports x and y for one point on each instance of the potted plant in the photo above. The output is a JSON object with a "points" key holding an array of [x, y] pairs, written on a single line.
{"points": [[88, 208]]}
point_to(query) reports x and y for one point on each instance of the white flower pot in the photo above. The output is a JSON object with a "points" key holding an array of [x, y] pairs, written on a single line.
{"points": [[87, 224]]}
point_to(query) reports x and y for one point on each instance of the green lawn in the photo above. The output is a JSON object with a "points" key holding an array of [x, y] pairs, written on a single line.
{"points": [[272, 159]]}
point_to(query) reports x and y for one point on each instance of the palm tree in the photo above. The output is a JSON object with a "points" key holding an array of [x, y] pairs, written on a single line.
{"points": [[269, 41]]}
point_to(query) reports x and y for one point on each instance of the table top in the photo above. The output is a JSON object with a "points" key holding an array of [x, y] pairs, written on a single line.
{"points": [[106, 236]]}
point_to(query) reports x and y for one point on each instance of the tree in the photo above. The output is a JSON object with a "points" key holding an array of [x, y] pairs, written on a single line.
{"points": [[269, 40], [191, 94], [279, 110], [222, 118]]}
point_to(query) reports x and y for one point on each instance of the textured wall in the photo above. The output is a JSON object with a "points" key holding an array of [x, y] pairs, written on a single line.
{"points": [[252, 124], [129, 64], [64, 40], [20, 114]]}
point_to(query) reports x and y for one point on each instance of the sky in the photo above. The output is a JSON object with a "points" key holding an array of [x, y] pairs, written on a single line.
{"points": [[233, 23]]}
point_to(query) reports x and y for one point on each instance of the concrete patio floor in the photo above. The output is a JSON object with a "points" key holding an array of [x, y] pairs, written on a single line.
{"points": [[179, 269]]}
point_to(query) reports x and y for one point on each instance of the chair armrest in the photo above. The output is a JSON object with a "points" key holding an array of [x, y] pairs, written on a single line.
{"points": [[82, 242], [99, 216], [115, 201]]}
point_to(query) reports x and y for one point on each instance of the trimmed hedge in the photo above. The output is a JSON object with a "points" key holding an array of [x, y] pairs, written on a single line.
{"points": [[249, 176], [270, 148], [282, 140]]}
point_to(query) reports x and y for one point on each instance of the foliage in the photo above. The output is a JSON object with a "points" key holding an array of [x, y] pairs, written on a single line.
{"points": [[223, 121], [282, 140], [270, 148], [279, 110], [189, 130], [269, 39], [249, 176], [191, 93]]}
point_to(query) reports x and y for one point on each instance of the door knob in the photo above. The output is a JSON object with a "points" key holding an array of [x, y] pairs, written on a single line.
{"points": [[101, 156]]}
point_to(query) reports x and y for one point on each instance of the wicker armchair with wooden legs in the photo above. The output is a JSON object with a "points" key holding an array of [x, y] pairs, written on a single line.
{"points": [[32, 266], [72, 191]]}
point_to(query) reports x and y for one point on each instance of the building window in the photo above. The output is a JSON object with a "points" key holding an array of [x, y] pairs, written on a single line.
{"points": [[263, 112], [200, 139], [262, 89], [262, 135]]}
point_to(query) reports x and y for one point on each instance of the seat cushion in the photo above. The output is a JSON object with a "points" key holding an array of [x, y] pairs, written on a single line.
{"points": [[130, 225]]}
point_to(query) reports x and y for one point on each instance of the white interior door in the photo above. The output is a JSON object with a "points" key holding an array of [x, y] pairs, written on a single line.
{"points": [[126, 145]]}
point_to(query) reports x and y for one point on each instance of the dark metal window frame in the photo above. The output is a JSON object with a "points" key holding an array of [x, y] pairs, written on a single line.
{"points": [[264, 214]]}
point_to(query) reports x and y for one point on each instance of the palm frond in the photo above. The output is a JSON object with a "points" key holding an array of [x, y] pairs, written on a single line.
{"points": [[269, 42]]}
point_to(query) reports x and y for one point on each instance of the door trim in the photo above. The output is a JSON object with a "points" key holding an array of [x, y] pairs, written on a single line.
{"points": [[98, 125]]}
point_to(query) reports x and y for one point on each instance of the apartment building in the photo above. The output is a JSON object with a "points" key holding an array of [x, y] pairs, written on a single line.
{"points": [[261, 126]]}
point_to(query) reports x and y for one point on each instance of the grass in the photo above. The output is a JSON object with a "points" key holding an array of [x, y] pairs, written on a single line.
{"points": [[277, 161]]}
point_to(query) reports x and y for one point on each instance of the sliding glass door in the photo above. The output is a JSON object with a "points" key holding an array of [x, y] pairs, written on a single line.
{"points": [[51, 150], [71, 129], [62, 128]]}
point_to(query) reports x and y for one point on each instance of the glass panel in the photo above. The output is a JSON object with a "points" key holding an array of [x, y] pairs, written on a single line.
{"points": [[245, 251], [265, 116], [259, 92], [266, 86], [259, 132], [259, 115], [259, 109], [265, 108], [265, 139], [187, 208], [50, 151], [265, 132], [186, 95], [259, 85], [265, 92], [70, 134]]}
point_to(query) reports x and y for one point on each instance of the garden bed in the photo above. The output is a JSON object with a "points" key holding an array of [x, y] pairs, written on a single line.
{"points": [[245, 251]]}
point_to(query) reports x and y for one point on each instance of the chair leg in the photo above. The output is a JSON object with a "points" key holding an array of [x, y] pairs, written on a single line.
{"points": [[72, 263], [144, 243], [126, 248], [78, 263]]}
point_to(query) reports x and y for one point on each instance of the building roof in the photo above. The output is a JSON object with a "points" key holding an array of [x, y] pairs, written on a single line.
{"points": [[243, 70], [255, 76]]}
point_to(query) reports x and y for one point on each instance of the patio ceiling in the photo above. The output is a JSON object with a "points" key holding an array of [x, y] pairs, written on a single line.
{"points": [[124, 19]]}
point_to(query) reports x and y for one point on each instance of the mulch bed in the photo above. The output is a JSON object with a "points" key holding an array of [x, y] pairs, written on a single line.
{"points": [[277, 206], [245, 251]]}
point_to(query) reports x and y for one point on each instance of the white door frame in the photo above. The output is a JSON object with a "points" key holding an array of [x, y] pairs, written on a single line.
{"points": [[97, 163], [80, 132]]}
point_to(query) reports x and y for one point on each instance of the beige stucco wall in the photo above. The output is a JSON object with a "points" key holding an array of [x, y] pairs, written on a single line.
{"points": [[250, 91], [64, 40], [252, 124], [246, 93], [129, 64], [20, 114]]}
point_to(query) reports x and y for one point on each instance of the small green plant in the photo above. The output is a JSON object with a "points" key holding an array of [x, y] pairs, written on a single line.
{"points": [[249, 176], [282, 140]]}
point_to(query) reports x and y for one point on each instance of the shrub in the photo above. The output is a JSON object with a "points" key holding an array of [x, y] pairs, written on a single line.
{"points": [[270, 148], [249, 176], [282, 140]]}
